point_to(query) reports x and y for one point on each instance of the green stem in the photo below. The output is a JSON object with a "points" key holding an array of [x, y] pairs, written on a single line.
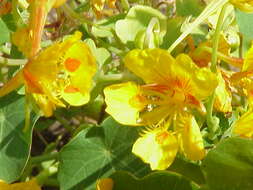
{"points": [[64, 122], [42, 158], [211, 8], [75, 16], [44, 175], [212, 122], [12, 62]]}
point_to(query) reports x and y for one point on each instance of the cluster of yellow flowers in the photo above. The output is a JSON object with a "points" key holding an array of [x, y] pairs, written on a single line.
{"points": [[173, 87]]}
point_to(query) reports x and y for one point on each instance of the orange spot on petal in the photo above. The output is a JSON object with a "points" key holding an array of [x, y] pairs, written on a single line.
{"points": [[71, 89], [72, 64]]}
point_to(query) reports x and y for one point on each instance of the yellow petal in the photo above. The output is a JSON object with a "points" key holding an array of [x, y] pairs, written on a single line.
{"points": [[152, 65], [223, 96], [159, 67], [47, 107], [29, 185], [243, 5], [12, 84], [157, 148], [244, 126], [248, 60], [75, 97], [82, 76], [192, 142], [98, 6], [202, 81], [122, 102], [105, 184], [58, 3]]}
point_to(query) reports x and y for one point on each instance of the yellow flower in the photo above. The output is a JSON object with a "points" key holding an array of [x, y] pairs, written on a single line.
{"points": [[173, 87], [60, 74], [104, 184], [244, 126], [243, 5], [98, 6], [29, 185]]}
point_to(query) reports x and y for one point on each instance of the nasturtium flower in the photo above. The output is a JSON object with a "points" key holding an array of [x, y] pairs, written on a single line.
{"points": [[28, 185], [61, 74], [244, 125], [174, 86], [243, 5]]}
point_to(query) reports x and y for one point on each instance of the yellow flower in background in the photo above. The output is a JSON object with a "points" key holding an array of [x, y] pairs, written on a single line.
{"points": [[173, 87], [29, 185], [244, 126], [248, 60], [98, 6], [61, 74], [243, 5], [223, 95], [104, 184]]}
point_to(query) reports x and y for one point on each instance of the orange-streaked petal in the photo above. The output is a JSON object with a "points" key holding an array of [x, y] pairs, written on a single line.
{"points": [[157, 148], [185, 68], [74, 97]]}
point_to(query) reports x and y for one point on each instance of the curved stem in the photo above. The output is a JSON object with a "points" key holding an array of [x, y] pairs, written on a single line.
{"points": [[42, 158], [211, 121], [211, 8]]}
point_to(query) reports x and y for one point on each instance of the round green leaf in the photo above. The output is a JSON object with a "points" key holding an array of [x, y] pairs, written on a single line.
{"points": [[98, 152], [15, 141], [230, 165]]}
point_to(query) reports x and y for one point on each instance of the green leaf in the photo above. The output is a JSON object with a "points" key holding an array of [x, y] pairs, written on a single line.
{"points": [[98, 152], [161, 180], [4, 32], [189, 7], [173, 31], [15, 141], [137, 20], [189, 170], [230, 165], [245, 22], [101, 54], [106, 26]]}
